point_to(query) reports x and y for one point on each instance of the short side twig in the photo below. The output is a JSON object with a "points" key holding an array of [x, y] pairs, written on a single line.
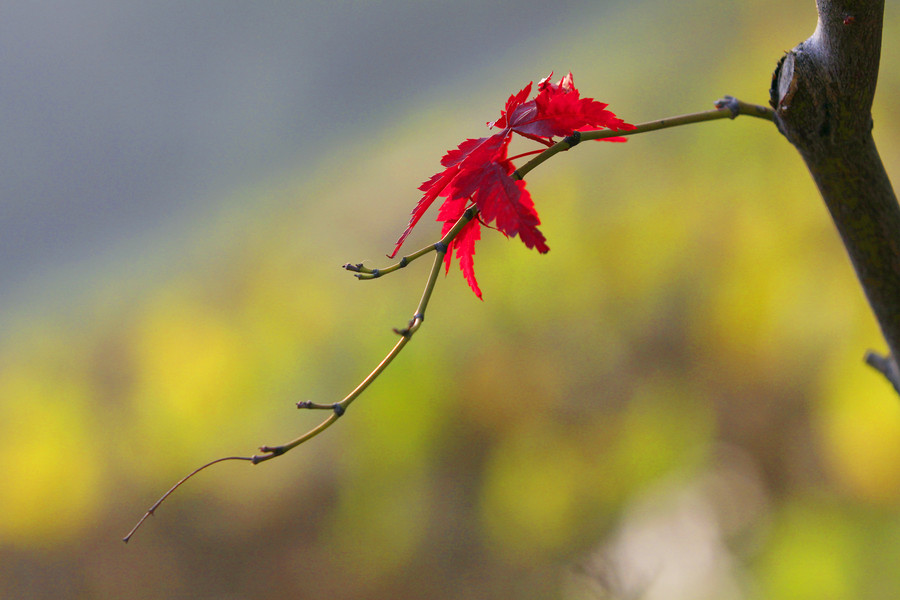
{"points": [[363, 272], [886, 365]]}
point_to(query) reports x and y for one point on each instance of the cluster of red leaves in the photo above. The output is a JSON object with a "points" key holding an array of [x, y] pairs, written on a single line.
{"points": [[479, 172]]}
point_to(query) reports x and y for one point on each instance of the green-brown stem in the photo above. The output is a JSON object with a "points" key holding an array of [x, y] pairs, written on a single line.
{"points": [[726, 108]]}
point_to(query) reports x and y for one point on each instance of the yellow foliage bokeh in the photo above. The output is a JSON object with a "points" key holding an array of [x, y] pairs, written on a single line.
{"points": [[54, 478]]}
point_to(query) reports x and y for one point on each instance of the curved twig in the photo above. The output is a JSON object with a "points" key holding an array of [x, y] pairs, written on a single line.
{"points": [[162, 498]]}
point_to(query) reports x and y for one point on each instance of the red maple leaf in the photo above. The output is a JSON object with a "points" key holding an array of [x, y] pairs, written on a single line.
{"points": [[479, 171]]}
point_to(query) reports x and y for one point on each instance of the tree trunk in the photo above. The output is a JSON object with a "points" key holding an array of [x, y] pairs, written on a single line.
{"points": [[822, 94]]}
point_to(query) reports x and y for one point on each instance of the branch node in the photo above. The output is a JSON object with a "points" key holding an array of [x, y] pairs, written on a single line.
{"points": [[414, 323], [574, 139], [731, 103], [338, 408], [440, 247], [313, 406], [272, 451], [403, 262]]}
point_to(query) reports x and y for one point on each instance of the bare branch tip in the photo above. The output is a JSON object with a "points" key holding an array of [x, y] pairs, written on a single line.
{"points": [[172, 489]]}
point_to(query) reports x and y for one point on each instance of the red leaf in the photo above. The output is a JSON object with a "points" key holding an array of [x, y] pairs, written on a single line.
{"points": [[512, 104], [558, 110], [478, 171], [466, 159], [504, 200]]}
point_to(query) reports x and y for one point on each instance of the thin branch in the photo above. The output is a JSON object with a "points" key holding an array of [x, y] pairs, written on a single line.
{"points": [[726, 108]]}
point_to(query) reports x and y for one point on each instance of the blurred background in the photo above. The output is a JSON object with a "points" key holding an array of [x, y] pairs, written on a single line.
{"points": [[670, 404]]}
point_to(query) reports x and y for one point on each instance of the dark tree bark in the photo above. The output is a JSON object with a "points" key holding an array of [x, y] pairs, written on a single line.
{"points": [[822, 94]]}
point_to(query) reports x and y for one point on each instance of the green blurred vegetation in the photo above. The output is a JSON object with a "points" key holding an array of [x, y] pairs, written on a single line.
{"points": [[696, 307]]}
